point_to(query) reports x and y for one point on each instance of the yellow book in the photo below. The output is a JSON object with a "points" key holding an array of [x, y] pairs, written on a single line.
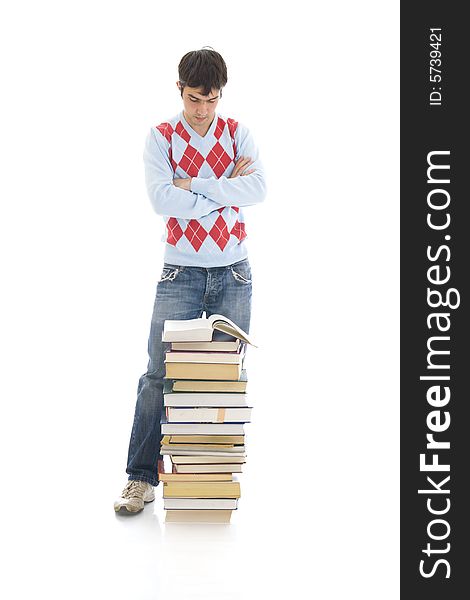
{"points": [[194, 460], [203, 439], [195, 385], [198, 516], [198, 446], [202, 371], [201, 489], [216, 468]]}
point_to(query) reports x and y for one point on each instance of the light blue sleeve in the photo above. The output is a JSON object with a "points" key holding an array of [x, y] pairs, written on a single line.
{"points": [[167, 199], [239, 191]]}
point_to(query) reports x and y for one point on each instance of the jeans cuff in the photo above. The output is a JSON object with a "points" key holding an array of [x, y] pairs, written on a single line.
{"points": [[152, 480]]}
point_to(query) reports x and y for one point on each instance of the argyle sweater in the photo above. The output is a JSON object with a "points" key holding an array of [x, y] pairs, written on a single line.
{"points": [[205, 226]]}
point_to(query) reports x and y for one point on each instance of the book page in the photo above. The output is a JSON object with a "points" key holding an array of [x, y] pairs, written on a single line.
{"points": [[225, 325]]}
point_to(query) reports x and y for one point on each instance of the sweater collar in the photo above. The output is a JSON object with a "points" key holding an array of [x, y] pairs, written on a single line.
{"points": [[192, 132]]}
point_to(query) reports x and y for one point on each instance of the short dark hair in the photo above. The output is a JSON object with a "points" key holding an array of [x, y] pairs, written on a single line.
{"points": [[202, 68]]}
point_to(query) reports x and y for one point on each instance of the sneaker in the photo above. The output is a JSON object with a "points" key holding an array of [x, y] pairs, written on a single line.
{"points": [[134, 496]]}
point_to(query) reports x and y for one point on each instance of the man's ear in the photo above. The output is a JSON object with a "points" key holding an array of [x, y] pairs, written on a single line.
{"points": [[180, 87]]}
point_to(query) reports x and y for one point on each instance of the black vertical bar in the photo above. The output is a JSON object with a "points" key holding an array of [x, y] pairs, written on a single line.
{"points": [[434, 118]]}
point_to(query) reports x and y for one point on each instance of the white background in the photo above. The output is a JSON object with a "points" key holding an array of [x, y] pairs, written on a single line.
{"points": [[317, 83]]}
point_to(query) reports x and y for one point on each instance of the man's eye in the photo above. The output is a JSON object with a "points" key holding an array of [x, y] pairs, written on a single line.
{"points": [[193, 100]]}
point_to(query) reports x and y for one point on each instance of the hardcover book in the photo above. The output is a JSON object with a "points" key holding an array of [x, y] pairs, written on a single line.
{"points": [[203, 439], [195, 477], [198, 516], [222, 371], [203, 448], [202, 428], [217, 346], [193, 399], [202, 468], [201, 489], [235, 358], [198, 459], [198, 503], [208, 415], [198, 385], [172, 452]]}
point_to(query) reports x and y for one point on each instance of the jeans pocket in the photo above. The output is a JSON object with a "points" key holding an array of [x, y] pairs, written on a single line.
{"points": [[169, 273], [241, 272]]}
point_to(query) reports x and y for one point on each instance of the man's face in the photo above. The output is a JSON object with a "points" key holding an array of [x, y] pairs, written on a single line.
{"points": [[199, 110]]}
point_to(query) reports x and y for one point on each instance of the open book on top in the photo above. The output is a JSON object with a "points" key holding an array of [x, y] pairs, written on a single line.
{"points": [[201, 330]]}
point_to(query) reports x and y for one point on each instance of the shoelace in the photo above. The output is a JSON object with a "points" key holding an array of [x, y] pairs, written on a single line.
{"points": [[133, 488]]}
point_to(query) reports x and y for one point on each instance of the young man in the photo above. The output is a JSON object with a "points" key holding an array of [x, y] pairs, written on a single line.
{"points": [[200, 169]]}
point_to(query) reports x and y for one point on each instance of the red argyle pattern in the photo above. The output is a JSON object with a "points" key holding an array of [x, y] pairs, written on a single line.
{"points": [[232, 127], [238, 230], [218, 160], [167, 131], [191, 162], [219, 232], [174, 231], [196, 234]]}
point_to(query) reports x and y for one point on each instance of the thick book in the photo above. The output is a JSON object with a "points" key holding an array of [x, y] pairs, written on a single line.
{"points": [[198, 459], [203, 448], [198, 516], [201, 489], [218, 346], [208, 415], [198, 503], [193, 399], [201, 330], [198, 385], [206, 468], [202, 428], [180, 370], [195, 477], [172, 452], [234, 358], [203, 439]]}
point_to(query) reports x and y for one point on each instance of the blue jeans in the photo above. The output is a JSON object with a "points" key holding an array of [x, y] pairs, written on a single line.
{"points": [[182, 293]]}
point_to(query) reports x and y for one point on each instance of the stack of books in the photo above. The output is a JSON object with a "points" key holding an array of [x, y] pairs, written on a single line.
{"points": [[205, 409]]}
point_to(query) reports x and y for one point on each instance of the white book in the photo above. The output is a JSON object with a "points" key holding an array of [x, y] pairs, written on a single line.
{"points": [[193, 399], [208, 415], [172, 452], [217, 346], [198, 503], [203, 428], [201, 330], [229, 358], [211, 460], [201, 468]]}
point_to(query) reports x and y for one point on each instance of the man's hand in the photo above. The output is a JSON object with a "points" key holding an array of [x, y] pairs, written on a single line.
{"points": [[239, 169], [184, 184]]}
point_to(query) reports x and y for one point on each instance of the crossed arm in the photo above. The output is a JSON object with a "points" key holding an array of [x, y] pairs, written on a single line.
{"points": [[240, 169], [195, 197], [246, 184]]}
